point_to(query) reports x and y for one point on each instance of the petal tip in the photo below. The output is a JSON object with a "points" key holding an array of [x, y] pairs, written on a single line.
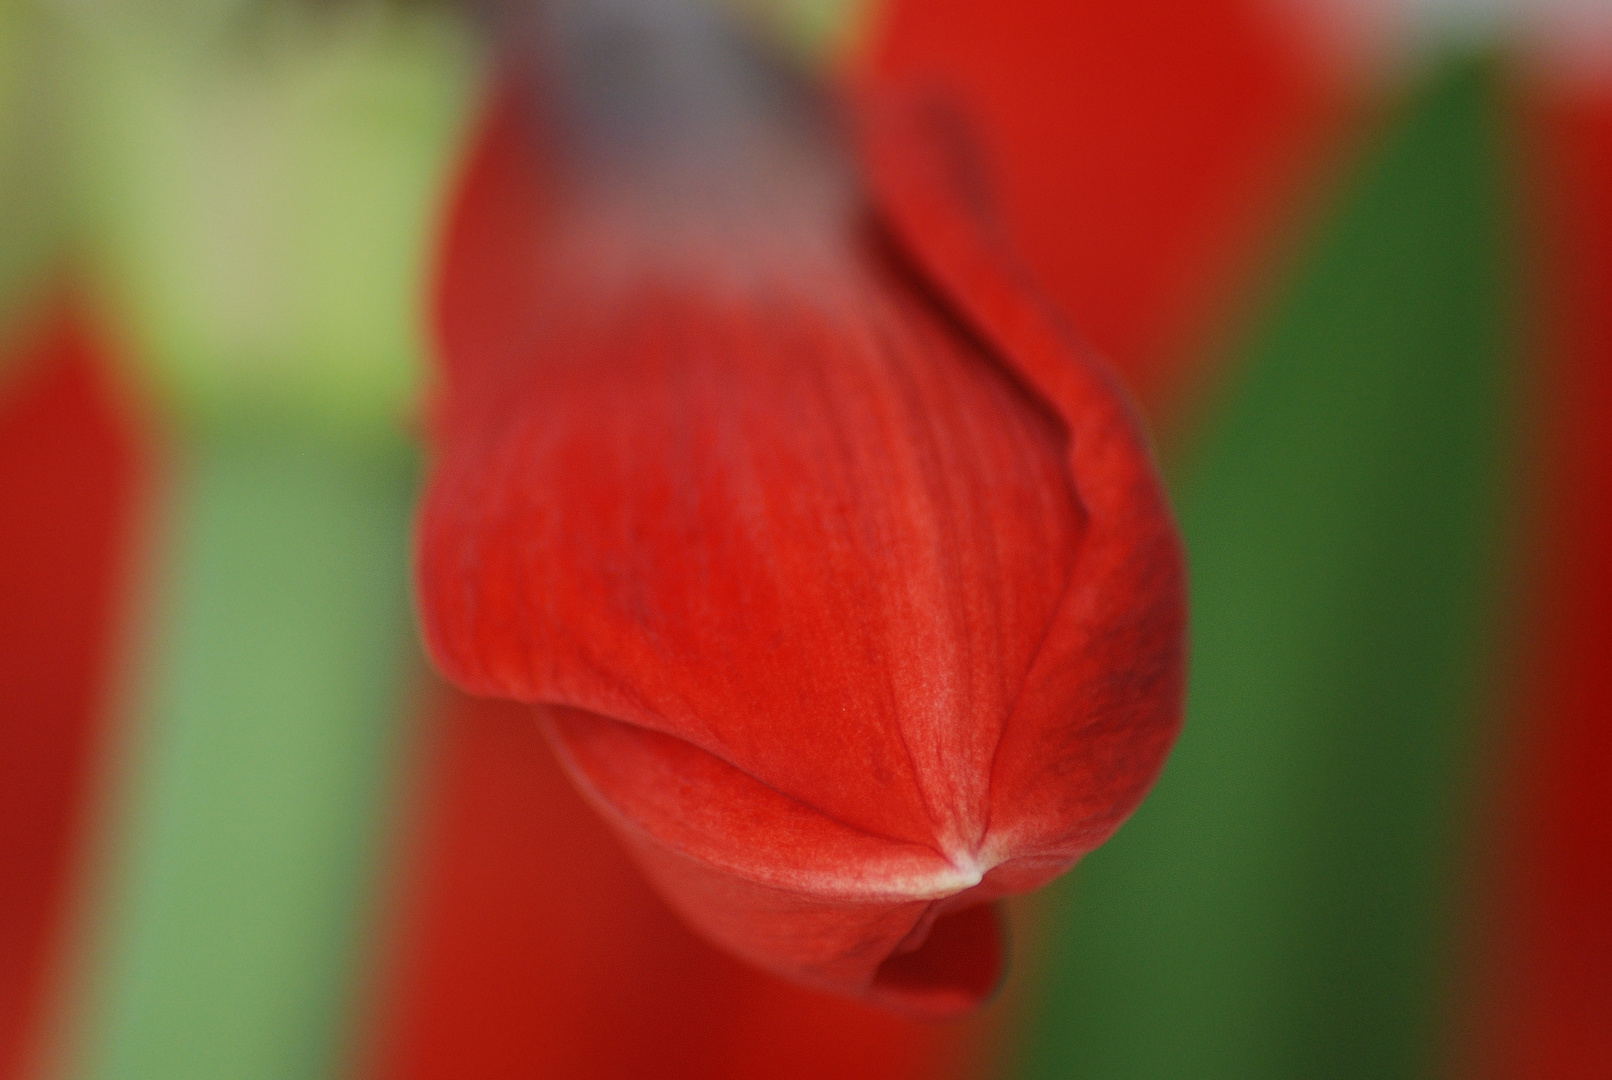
{"points": [[958, 967]]}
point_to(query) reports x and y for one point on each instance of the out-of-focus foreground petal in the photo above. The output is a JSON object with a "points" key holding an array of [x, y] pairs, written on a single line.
{"points": [[70, 473], [843, 577]]}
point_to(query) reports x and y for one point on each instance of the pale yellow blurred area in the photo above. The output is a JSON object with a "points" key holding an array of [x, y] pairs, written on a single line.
{"points": [[250, 189]]}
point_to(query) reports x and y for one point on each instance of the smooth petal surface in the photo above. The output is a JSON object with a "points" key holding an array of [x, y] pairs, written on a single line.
{"points": [[1103, 701], [843, 580]]}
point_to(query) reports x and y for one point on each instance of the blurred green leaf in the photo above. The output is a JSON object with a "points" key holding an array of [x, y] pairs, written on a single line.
{"points": [[1278, 907], [245, 854]]}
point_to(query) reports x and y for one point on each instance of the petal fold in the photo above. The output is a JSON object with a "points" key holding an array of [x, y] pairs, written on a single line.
{"points": [[842, 578]]}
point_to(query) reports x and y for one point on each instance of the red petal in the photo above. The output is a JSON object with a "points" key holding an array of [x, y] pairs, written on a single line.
{"points": [[488, 277], [69, 479], [1147, 154], [1543, 1003], [531, 948], [1103, 703], [808, 573]]}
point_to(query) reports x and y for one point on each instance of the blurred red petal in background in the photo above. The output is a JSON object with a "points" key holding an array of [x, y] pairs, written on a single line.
{"points": [[70, 469], [531, 946], [1544, 1004], [1147, 155]]}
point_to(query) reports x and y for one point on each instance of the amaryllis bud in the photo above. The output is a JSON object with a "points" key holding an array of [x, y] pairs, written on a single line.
{"points": [[841, 578]]}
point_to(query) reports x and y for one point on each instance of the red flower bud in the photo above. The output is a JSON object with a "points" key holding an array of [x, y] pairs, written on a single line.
{"points": [[840, 575]]}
